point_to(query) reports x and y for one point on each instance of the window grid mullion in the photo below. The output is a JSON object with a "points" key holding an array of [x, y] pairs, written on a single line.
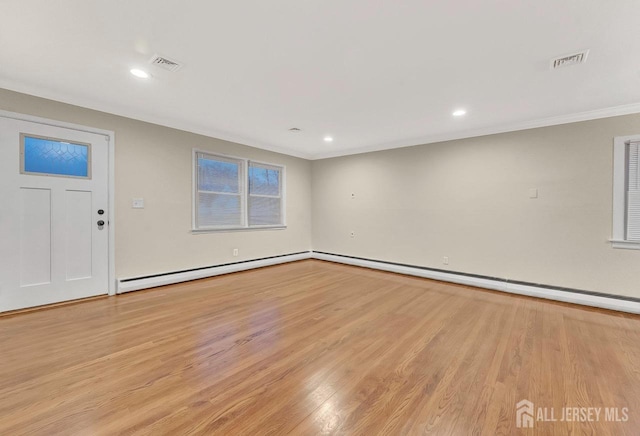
{"points": [[265, 196], [219, 192]]}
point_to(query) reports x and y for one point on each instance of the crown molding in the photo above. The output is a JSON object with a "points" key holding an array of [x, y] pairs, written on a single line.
{"points": [[239, 139], [148, 118], [513, 127]]}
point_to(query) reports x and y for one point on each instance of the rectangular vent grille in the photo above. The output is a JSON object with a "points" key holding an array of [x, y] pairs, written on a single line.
{"points": [[164, 63], [571, 59]]}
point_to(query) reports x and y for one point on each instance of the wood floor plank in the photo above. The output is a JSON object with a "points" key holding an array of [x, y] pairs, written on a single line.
{"points": [[313, 347]]}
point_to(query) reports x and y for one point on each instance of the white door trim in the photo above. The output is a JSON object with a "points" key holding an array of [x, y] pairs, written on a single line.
{"points": [[111, 141]]}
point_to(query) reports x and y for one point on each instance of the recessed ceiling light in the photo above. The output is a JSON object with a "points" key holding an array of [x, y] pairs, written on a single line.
{"points": [[459, 112], [139, 73], [328, 139]]}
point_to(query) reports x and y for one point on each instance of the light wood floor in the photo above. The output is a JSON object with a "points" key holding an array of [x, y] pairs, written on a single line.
{"points": [[314, 348]]}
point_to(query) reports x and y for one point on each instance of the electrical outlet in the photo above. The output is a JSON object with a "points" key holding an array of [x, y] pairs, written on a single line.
{"points": [[353, 195], [445, 260], [352, 234], [533, 192], [235, 252], [138, 203]]}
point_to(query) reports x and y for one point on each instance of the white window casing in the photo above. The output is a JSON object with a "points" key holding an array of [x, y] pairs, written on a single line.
{"points": [[265, 205], [231, 193]]}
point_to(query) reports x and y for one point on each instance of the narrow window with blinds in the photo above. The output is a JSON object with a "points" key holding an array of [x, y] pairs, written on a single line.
{"points": [[633, 191], [220, 192], [626, 192], [265, 195], [233, 193]]}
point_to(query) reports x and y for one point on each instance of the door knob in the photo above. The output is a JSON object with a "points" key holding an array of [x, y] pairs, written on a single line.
{"points": [[100, 223]]}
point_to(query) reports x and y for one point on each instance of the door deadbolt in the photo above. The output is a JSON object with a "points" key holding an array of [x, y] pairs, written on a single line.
{"points": [[100, 212]]}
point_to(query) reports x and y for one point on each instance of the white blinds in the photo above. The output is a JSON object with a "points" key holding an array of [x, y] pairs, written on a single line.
{"points": [[220, 192], [633, 192], [233, 193], [265, 195]]}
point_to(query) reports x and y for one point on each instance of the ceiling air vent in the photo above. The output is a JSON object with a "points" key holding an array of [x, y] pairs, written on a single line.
{"points": [[570, 59], [165, 63]]}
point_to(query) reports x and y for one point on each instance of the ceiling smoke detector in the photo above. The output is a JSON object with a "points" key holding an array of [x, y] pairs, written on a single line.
{"points": [[165, 63], [570, 59]]}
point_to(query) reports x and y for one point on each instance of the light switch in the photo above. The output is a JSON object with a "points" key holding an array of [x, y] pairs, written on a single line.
{"points": [[138, 203], [533, 192]]}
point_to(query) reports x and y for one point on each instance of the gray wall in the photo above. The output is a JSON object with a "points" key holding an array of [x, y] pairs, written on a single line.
{"points": [[469, 200], [155, 163]]}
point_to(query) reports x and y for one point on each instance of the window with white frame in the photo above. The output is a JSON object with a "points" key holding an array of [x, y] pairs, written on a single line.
{"points": [[233, 193], [265, 195], [626, 192]]}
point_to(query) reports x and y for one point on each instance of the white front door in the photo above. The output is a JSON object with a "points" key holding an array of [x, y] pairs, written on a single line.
{"points": [[53, 198]]}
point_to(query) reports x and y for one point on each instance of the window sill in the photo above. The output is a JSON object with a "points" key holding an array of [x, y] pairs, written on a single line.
{"points": [[628, 245], [236, 229]]}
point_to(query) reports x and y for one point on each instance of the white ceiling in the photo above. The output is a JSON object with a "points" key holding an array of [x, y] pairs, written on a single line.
{"points": [[373, 74]]}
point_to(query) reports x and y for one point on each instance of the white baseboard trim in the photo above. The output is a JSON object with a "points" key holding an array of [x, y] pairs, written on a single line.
{"points": [[497, 285], [128, 285]]}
